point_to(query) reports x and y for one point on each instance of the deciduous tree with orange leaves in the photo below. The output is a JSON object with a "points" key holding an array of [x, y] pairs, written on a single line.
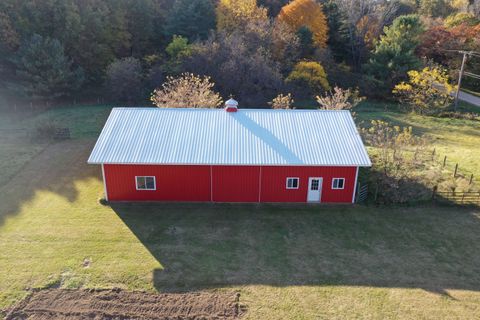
{"points": [[307, 13]]}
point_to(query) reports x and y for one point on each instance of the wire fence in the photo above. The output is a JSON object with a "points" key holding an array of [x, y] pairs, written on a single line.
{"points": [[371, 191]]}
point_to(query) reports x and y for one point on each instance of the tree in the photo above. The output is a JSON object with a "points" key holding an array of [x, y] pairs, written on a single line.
{"points": [[434, 8], [124, 80], [273, 6], [306, 13], [359, 22], [177, 50], [441, 45], [460, 18], [310, 74], [306, 42], [236, 14], [192, 19], [282, 101], [44, 70], [394, 53], [427, 91], [339, 99], [187, 91], [240, 64]]}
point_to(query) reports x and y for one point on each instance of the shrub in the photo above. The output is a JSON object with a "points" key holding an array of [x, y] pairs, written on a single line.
{"points": [[45, 130]]}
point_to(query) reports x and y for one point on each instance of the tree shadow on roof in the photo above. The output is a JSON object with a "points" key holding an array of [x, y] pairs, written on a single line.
{"points": [[268, 138], [219, 245]]}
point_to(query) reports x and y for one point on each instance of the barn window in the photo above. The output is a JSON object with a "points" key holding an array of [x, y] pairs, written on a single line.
{"points": [[292, 183], [338, 183], [145, 183]]}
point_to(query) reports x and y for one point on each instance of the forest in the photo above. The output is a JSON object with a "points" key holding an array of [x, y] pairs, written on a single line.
{"points": [[265, 53]]}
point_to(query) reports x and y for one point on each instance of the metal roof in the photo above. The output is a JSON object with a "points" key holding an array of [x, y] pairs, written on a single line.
{"points": [[216, 137]]}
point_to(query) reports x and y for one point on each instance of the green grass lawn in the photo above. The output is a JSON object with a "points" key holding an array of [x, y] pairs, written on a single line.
{"points": [[288, 262]]}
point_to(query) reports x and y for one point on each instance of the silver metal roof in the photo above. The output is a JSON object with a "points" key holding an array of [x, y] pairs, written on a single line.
{"points": [[215, 137]]}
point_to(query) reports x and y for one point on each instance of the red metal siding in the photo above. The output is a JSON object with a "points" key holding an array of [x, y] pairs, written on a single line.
{"points": [[229, 183], [235, 183], [174, 183], [274, 183]]}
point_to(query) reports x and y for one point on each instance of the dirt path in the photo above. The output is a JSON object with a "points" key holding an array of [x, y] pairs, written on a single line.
{"points": [[117, 304]]}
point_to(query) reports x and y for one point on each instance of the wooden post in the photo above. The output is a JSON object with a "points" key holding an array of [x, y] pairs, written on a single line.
{"points": [[471, 179], [463, 196], [455, 173], [434, 191], [444, 161]]}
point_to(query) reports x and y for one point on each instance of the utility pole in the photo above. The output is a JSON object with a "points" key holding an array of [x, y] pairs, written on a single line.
{"points": [[465, 54]]}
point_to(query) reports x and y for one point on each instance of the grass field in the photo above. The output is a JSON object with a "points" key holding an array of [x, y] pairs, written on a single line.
{"points": [[288, 262]]}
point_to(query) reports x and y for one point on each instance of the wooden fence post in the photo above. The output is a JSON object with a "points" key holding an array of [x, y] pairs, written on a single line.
{"points": [[434, 191], [444, 161], [456, 168], [471, 179]]}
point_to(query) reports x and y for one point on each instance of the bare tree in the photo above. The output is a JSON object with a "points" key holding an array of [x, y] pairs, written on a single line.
{"points": [[282, 101], [186, 91], [364, 21], [339, 99]]}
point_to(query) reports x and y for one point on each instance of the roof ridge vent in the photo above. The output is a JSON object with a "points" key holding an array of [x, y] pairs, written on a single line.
{"points": [[231, 105]]}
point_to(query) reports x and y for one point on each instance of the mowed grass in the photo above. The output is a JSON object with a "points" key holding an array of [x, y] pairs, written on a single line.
{"points": [[288, 262]]}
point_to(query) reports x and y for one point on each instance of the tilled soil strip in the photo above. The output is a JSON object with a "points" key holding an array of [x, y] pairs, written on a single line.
{"points": [[120, 304]]}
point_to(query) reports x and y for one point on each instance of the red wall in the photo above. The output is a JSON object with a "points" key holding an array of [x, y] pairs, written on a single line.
{"points": [[274, 190], [174, 183], [235, 183], [229, 183]]}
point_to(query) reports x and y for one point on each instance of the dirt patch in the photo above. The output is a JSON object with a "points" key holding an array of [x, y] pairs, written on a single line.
{"points": [[119, 304]]}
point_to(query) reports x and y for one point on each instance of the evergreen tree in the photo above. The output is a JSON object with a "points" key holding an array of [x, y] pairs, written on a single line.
{"points": [[394, 53], [305, 37], [192, 19], [44, 70]]}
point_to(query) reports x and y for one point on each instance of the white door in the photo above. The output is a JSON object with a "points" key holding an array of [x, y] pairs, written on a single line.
{"points": [[314, 189]]}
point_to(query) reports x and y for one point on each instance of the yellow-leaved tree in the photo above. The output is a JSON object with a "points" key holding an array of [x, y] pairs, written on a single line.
{"points": [[307, 13], [234, 14], [427, 91], [311, 74]]}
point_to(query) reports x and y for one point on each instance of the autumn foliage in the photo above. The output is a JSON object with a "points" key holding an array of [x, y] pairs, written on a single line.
{"points": [[307, 13]]}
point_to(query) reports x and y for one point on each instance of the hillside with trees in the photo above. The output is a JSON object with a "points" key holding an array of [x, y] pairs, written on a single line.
{"points": [[121, 51]]}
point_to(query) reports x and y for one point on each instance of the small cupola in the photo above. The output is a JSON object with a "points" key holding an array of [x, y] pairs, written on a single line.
{"points": [[231, 105]]}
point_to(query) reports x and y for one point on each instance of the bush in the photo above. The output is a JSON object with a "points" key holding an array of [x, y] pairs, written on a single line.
{"points": [[45, 130]]}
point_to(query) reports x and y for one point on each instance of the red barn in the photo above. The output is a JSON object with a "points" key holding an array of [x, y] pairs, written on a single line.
{"points": [[229, 155]]}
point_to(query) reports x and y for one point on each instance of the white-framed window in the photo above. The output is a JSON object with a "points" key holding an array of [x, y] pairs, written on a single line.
{"points": [[338, 183], [292, 183], [145, 183]]}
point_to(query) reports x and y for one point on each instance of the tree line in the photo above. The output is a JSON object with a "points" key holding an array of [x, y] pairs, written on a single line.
{"points": [[257, 51]]}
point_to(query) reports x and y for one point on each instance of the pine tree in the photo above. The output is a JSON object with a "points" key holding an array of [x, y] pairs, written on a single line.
{"points": [[394, 53], [44, 69], [192, 19]]}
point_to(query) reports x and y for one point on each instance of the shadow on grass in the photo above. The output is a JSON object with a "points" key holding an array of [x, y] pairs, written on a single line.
{"points": [[220, 245], [55, 169]]}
